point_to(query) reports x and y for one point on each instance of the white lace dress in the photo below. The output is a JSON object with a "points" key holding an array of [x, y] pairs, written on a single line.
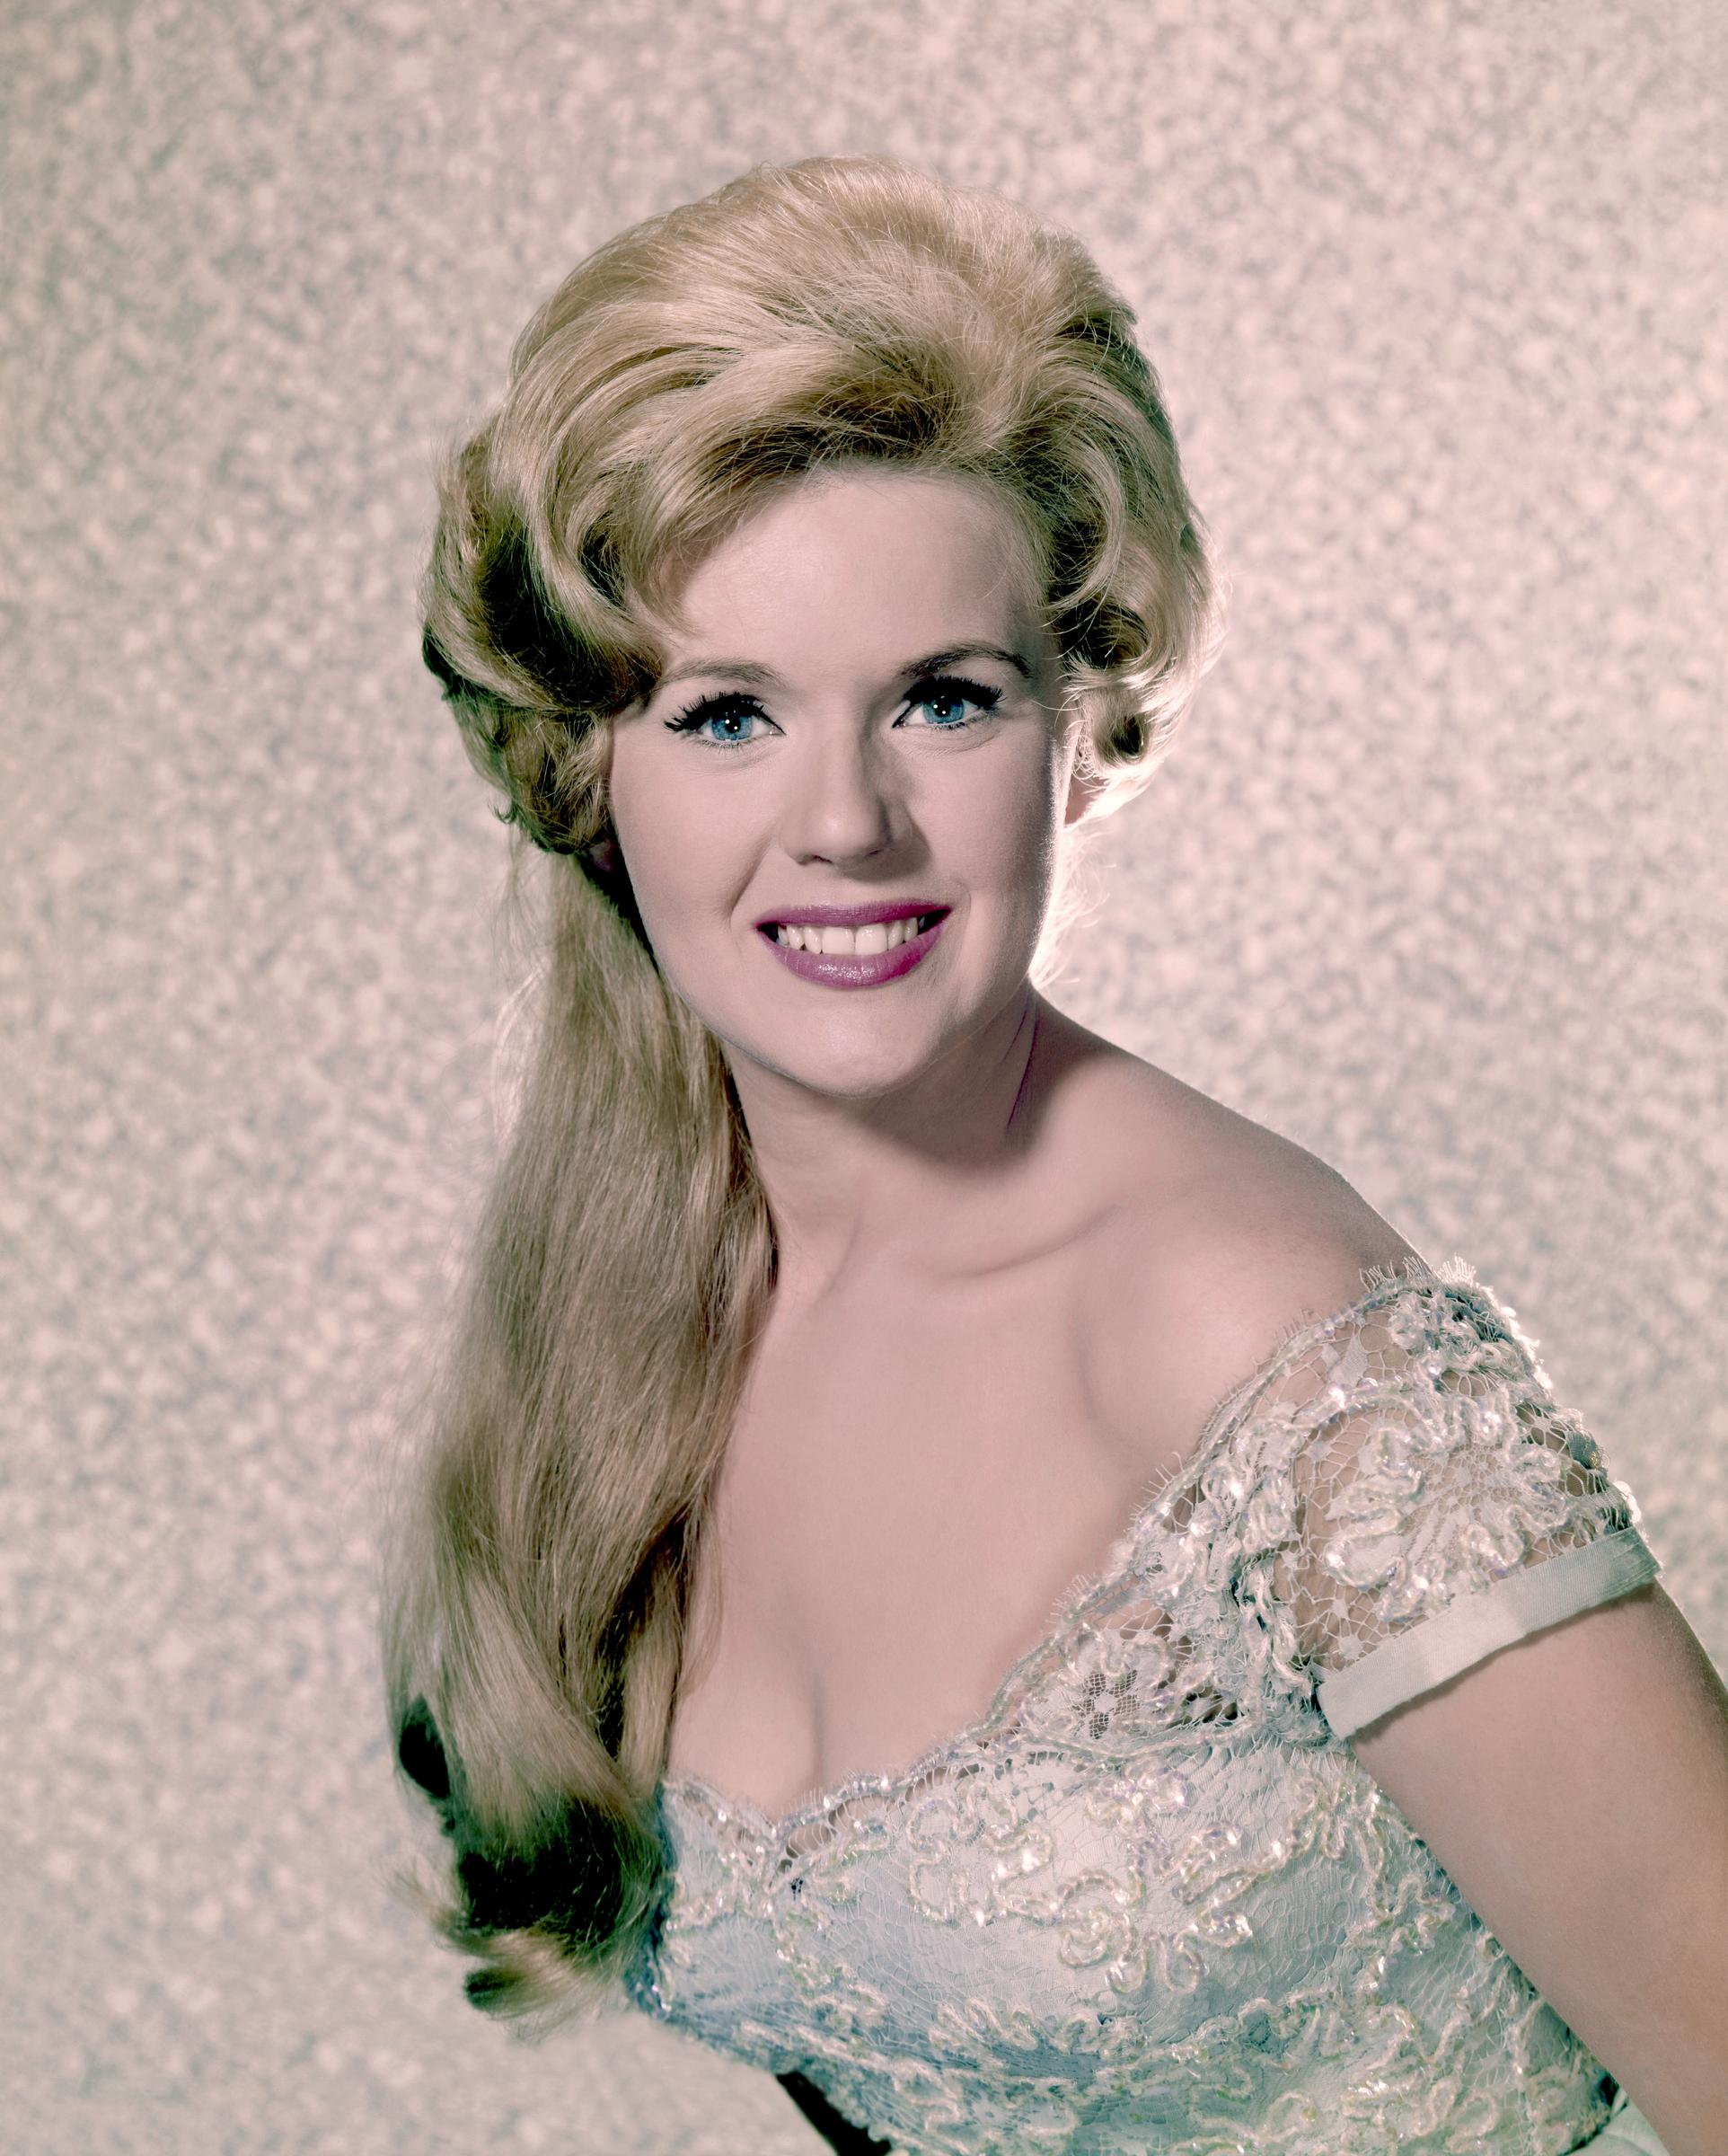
{"points": [[1152, 1904]]}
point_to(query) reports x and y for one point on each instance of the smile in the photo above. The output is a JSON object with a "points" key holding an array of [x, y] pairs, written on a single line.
{"points": [[854, 958], [869, 940]]}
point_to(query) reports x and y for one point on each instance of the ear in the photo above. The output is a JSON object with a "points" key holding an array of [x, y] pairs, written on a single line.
{"points": [[603, 854], [602, 850], [605, 734], [1086, 783], [1084, 787]]}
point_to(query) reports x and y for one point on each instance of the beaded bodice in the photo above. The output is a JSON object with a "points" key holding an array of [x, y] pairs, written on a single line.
{"points": [[1151, 1901]]}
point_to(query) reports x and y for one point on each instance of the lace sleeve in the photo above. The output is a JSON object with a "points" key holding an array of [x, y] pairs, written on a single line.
{"points": [[1425, 1502]]}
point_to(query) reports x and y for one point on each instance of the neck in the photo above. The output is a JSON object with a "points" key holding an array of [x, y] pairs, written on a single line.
{"points": [[898, 1184]]}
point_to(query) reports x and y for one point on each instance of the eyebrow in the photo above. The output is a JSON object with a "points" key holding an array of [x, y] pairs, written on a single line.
{"points": [[760, 676]]}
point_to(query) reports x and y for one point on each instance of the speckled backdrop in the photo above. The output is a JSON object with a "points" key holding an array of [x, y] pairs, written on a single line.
{"points": [[1435, 883]]}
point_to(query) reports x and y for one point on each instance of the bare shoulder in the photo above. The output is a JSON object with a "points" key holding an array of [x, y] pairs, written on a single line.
{"points": [[1224, 1236]]}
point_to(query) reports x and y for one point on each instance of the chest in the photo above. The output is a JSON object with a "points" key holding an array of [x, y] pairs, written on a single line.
{"points": [[909, 1491], [1221, 1938]]}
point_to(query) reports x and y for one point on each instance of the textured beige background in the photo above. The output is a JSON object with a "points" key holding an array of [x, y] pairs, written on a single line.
{"points": [[1433, 883]]}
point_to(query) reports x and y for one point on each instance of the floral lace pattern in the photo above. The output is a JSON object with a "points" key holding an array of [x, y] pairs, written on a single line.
{"points": [[1151, 1901]]}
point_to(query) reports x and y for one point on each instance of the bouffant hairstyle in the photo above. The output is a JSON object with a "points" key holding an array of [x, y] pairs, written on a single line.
{"points": [[834, 312]]}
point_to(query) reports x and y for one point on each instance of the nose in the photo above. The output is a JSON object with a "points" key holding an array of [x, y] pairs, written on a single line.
{"points": [[843, 803]]}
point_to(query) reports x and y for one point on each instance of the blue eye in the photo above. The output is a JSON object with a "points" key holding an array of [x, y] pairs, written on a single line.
{"points": [[949, 689], [733, 710], [721, 710]]}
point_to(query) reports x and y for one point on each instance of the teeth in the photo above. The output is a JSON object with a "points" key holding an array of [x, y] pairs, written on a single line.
{"points": [[873, 937]]}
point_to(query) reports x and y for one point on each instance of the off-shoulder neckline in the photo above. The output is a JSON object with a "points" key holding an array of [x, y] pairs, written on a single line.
{"points": [[1382, 1283]]}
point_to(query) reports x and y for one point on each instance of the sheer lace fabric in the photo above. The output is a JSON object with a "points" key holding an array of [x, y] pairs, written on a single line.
{"points": [[1151, 1901]]}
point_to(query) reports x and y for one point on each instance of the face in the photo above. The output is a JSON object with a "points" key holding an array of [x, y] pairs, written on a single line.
{"points": [[860, 712]]}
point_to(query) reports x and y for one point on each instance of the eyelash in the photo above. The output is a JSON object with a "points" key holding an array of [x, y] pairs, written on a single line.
{"points": [[936, 688]]}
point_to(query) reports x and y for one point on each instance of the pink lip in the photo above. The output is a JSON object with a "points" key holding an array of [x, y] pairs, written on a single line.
{"points": [[852, 916], [834, 969]]}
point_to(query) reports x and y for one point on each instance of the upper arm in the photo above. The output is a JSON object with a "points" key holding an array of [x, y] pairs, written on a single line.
{"points": [[1574, 1786], [1574, 1783]]}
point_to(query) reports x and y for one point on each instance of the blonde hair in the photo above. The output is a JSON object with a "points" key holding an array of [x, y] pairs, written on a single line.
{"points": [[801, 317]]}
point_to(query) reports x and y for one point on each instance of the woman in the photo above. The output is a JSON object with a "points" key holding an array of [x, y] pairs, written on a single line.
{"points": [[847, 1327]]}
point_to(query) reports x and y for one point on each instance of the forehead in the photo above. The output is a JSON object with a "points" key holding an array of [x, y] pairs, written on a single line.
{"points": [[861, 556]]}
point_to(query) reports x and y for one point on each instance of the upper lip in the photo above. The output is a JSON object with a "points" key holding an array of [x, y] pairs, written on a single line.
{"points": [[850, 916]]}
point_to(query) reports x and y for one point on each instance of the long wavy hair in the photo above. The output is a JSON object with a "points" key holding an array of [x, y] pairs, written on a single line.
{"points": [[835, 310]]}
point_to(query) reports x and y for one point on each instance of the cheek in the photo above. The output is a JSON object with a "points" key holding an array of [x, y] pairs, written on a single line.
{"points": [[673, 842], [682, 880], [1002, 839]]}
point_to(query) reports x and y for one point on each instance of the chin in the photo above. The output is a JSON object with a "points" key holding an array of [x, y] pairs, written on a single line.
{"points": [[855, 1069], [842, 1077]]}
